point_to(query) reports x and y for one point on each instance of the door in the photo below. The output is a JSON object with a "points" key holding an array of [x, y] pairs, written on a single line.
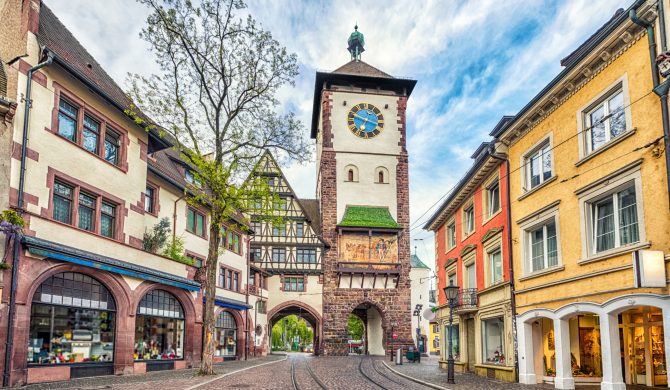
{"points": [[470, 329]]}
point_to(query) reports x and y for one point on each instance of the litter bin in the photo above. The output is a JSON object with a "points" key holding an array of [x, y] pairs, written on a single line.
{"points": [[398, 357]]}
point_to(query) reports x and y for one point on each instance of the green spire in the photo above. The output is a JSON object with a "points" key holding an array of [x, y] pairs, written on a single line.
{"points": [[356, 43]]}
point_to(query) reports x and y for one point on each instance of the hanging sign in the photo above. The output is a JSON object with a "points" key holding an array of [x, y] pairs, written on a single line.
{"points": [[663, 63]]}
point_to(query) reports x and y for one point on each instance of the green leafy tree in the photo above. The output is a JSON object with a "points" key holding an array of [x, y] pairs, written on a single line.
{"points": [[157, 237], [215, 97], [355, 327]]}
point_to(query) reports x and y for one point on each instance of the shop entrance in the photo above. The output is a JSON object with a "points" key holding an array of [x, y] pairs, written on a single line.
{"points": [[642, 347]]}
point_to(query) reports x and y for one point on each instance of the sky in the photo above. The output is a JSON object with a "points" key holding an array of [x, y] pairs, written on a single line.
{"points": [[475, 61]]}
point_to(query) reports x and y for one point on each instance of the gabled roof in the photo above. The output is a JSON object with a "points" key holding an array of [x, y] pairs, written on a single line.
{"points": [[361, 68], [73, 57], [415, 262], [368, 217], [313, 213]]}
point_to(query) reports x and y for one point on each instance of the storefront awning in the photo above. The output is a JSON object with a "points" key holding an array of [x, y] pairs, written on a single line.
{"points": [[61, 252], [230, 303]]}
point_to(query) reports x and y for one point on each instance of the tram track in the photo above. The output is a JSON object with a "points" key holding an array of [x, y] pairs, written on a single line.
{"points": [[368, 377], [311, 373]]}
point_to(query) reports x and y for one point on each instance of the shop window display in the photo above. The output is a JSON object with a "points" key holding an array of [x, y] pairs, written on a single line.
{"points": [[159, 327], [585, 350], [226, 335], [492, 341], [548, 346], [455, 347], [643, 344], [72, 321]]}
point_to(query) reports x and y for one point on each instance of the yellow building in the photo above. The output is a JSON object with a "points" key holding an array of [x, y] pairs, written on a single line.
{"points": [[434, 338], [590, 220]]}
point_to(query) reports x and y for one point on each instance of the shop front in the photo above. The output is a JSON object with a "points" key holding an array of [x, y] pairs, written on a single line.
{"points": [[73, 323], [621, 342], [226, 336], [159, 330]]}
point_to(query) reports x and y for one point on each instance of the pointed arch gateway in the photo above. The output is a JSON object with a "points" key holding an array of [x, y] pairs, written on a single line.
{"points": [[376, 328]]}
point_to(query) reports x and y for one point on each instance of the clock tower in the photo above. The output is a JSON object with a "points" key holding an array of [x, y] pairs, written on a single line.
{"points": [[358, 121]]}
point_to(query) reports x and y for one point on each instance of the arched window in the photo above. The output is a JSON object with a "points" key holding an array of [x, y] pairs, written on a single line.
{"points": [[351, 173], [71, 309], [382, 175], [226, 334], [159, 327]]}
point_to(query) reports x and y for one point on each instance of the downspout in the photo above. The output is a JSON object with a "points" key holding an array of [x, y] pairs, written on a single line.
{"points": [[174, 217], [510, 262], [248, 331], [661, 23], [9, 346], [660, 89]]}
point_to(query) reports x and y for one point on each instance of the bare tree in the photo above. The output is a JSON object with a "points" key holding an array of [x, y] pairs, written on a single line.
{"points": [[215, 97]]}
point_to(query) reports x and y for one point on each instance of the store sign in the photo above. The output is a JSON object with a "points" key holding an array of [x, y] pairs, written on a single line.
{"points": [[663, 63], [649, 268]]}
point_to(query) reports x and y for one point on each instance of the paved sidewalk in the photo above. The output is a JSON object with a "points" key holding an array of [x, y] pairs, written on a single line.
{"points": [[160, 380]]}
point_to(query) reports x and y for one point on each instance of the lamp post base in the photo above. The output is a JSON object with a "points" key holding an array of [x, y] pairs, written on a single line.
{"points": [[450, 370]]}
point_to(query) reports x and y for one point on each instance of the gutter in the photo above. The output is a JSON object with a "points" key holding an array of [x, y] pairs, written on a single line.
{"points": [[660, 89], [9, 348]]}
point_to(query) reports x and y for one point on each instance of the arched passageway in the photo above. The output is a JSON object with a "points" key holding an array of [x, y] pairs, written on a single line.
{"points": [[302, 311]]}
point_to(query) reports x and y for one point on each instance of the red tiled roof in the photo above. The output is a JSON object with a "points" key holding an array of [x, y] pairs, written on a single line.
{"points": [[361, 68]]}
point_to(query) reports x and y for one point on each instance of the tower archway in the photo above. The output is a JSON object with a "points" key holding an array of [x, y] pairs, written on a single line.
{"points": [[301, 310]]}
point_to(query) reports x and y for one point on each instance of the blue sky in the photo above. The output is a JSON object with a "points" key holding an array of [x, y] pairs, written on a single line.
{"points": [[475, 61]]}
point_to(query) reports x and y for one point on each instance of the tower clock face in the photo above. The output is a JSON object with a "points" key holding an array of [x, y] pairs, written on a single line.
{"points": [[365, 120]]}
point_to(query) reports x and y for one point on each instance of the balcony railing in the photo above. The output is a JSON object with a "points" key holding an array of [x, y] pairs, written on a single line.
{"points": [[467, 299]]}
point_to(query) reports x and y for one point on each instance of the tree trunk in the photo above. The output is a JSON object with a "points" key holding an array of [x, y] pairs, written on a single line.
{"points": [[209, 287]]}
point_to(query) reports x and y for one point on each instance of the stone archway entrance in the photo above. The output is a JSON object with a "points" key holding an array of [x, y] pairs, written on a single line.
{"points": [[300, 310], [374, 335]]}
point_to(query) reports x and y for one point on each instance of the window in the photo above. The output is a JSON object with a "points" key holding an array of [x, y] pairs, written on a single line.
{"points": [[451, 235], [299, 229], [76, 123], [226, 335], [229, 279], [493, 197], [257, 227], [91, 134], [381, 175], [452, 279], [191, 179], [62, 200], [112, 146], [256, 254], [149, 200], [279, 230], [262, 307], [236, 281], [306, 255], [195, 260], [231, 241], [350, 175], [67, 120], [280, 204], [543, 246], [279, 254], [436, 328], [252, 278], [493, 341], [296, 283], [159, 327], [469, 219], [455, 338], [195, 222], [72, 320], [605, 121], [271, 182], [495, 266], [538, 166], [86, 212], [614, 220], [470, 276]]}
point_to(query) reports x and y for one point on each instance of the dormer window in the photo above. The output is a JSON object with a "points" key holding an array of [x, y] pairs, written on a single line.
{"points": [[191, 179]]}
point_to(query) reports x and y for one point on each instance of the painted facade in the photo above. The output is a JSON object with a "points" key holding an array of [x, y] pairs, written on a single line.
{"points": [[95, 183], [590, 217], [471, 239]]}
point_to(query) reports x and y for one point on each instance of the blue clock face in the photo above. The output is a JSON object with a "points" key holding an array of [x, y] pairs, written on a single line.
{"points": [[365, 120]]}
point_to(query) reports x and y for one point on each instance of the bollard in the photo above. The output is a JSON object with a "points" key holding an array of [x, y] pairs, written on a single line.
{"points": [[398, 357]]}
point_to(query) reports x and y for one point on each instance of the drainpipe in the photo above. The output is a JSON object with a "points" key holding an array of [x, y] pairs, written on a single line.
{"points": [[660, 89], [248, 331], [510, 262], [661, 23], [9, 347], [174, 217]]}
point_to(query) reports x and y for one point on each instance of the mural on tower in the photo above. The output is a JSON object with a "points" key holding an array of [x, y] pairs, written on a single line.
{"points": [[365, 248]]}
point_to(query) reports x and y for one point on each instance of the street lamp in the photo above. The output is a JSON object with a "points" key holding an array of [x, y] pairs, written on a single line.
{"points": [[417, 313], [451, 293]]}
